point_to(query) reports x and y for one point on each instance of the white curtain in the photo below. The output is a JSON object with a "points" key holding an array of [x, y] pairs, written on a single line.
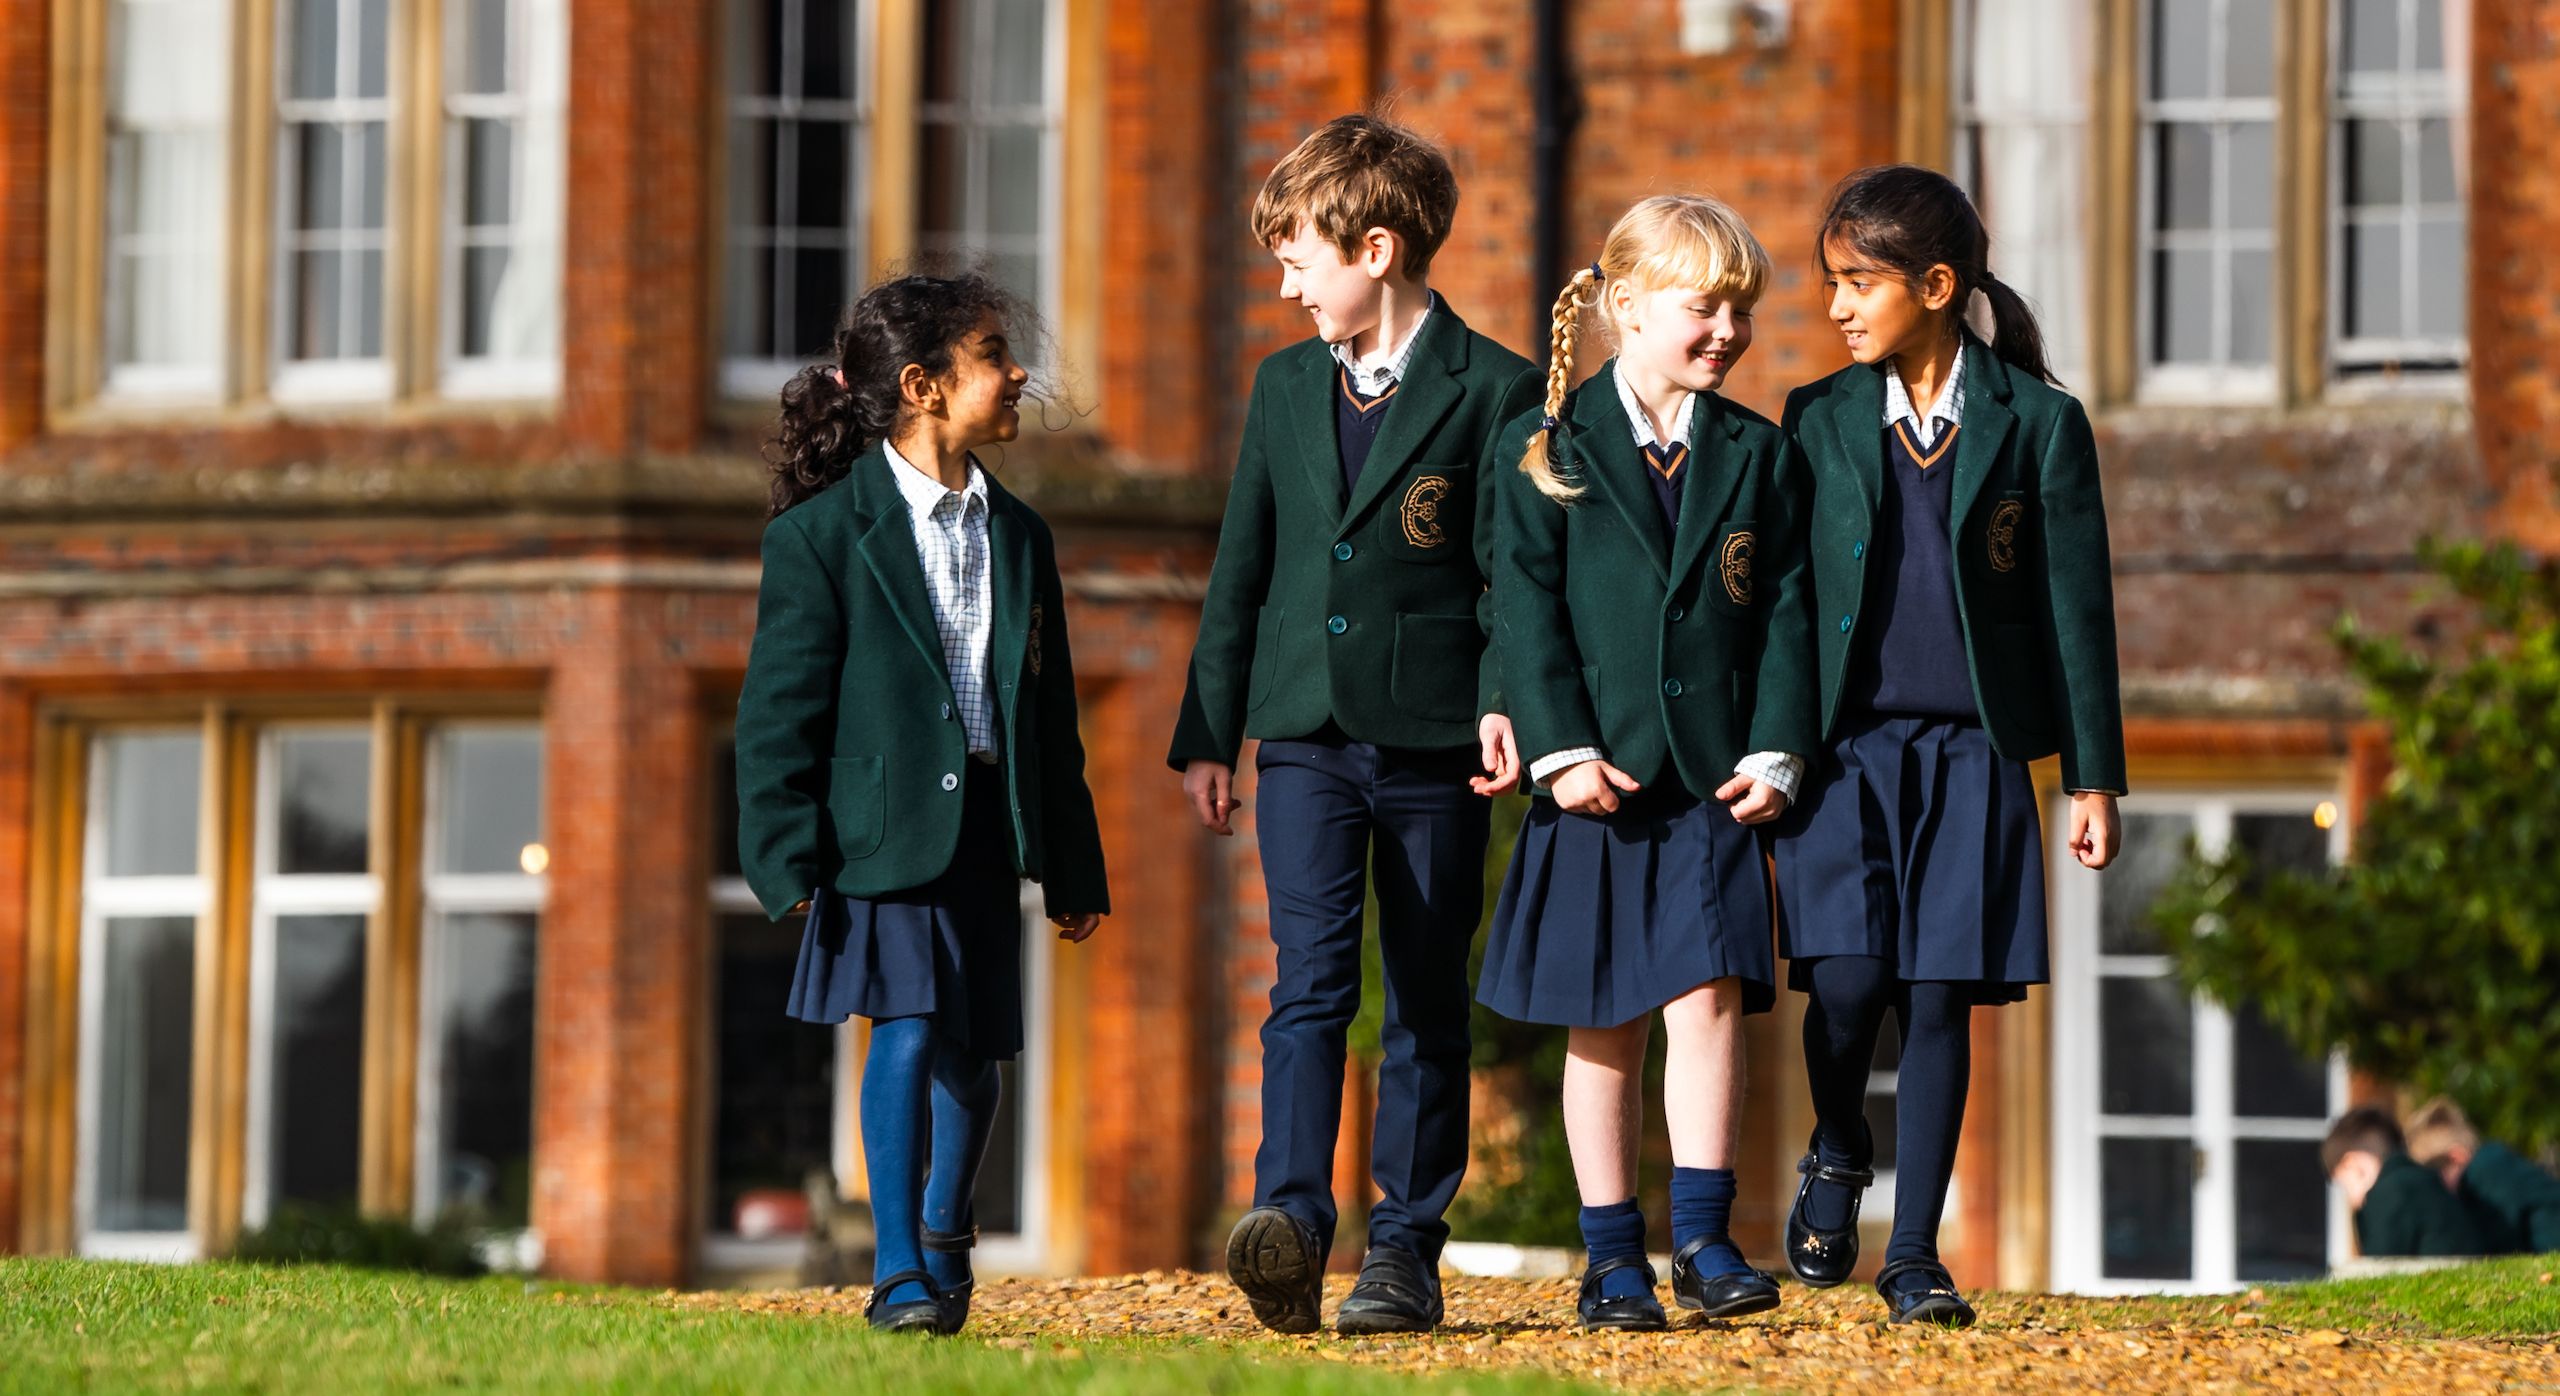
{"points": [[2030, 69], [167, 106], [524, 316]]}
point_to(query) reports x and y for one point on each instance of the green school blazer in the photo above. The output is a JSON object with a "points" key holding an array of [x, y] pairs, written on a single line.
{"points": [[2515, 1203], [851, 752], [2411, 1212], [1674, 653], [2033, 585], [1367, 611]]}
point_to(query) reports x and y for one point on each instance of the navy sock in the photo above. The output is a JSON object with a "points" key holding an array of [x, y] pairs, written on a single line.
{"points": [[896, 1072], [1702, 1206], [965, 1089], [1610, 1232]]}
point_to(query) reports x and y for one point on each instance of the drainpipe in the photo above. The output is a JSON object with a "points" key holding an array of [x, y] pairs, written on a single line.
{"points": [[1556, 111]]}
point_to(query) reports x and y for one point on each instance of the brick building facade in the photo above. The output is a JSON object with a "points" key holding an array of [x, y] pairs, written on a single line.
{"points": [[373, 587]]}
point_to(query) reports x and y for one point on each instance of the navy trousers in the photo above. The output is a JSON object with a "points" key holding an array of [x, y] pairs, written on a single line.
{"points": [[1324, 804]]}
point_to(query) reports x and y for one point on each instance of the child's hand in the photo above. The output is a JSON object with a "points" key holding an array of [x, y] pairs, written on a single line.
{"points": [[2096, 832], [1586, 788], [1077, 927], [1501, 757], [1208, 785], [1760, 801]]}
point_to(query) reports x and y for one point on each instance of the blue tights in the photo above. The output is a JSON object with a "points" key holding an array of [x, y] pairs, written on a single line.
{"points": [[1842, 1016], [926, 1099]]}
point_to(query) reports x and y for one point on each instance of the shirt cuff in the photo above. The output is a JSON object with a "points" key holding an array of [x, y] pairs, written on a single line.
{"points": [[1553, 762], [1783, 771]]}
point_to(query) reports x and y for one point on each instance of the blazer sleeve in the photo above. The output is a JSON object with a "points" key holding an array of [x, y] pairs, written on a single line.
{"points": [[1541, 666], [1072, 876], [1211, 724], [1526, 393], [2080, 609], [787, 719], [1787, 698]]}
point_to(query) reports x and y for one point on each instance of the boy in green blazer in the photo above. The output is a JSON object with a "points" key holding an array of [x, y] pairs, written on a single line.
{"points": [[2400, 1207], [1345, 630], [2514, 1202]]}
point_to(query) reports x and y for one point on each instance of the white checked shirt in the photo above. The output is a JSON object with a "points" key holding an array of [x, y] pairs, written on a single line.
{"points": [[951, 543], [1947, 413], [1783, 771], [1373, 378]]}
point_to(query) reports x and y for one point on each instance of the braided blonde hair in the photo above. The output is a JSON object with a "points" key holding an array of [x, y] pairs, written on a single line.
{"points": [[1684, 240]]}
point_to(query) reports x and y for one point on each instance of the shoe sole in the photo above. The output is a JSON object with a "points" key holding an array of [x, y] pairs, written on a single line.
{"points": [[1645, 1326], [1757, 1304], [1268, 1260], [1362, 1323], [1937, 1314]]}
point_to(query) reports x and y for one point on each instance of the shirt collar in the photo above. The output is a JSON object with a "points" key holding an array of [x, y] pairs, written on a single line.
{"points": [[1686, 415], [1949, 408], [1375, 379], [924, 493]]}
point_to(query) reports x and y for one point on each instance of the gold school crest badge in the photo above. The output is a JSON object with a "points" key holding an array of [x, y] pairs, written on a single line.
{"points": [[1421, 512], [1032, 654], [1735, 567], [2002, 535]]}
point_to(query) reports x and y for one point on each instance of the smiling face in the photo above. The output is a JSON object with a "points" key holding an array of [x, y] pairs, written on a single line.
{"points": [[1345, 298], [1881, 313], [1688, 338], [982, 394]]}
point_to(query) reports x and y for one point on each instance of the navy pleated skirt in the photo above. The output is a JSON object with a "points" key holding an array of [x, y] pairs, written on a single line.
{"points": [[1918, 844], [950, 950], [1606, 918]]}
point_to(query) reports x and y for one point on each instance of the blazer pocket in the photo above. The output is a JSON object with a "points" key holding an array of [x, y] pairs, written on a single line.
{"points": [[1267, 630], [1730, 577], [857, 801], [1435, 666], [1430, 517]]}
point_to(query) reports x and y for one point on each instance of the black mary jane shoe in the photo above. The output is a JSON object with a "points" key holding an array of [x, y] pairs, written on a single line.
{"points": [[1823, 1258], [954, 1302], [1278, 1261], [1398, 1292], [1637, 1313], [1719, 1296], [911, 1316], [1937, 1303]]}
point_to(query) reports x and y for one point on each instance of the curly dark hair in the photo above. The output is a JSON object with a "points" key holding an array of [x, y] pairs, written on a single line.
{"points": [[827, 422]]}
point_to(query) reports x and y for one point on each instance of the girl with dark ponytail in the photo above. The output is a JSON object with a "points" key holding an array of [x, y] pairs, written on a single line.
{"points": [[1966, 617], [907, 748]]}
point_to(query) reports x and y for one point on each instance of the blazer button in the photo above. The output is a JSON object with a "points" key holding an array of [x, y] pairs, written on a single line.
{"points": [[1670, 688], [1337, 625], [950, 781], [946, 712], [1858, 549], [1342, 552], [1844, 625], [1679, 614]]}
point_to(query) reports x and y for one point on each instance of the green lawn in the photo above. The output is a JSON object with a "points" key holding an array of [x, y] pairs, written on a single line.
{"points": [[2517, 1297], [74, 1326]]}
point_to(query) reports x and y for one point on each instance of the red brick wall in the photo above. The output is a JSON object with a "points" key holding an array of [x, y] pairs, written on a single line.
{"points": [[26, 55]]}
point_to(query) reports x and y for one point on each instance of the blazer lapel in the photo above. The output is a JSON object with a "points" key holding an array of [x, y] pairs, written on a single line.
{"points": [[1709, 493], [888, 548], [1987, 420], [1607, 461], [1311, 409], [1857, 427], [1428, 392], [1009, 554]]}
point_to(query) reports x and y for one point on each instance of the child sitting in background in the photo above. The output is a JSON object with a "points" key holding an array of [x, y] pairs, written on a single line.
{"points": [[2515, 1204], [2401, 1208]]}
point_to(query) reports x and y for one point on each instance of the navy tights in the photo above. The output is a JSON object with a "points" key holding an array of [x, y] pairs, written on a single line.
{"points": [[1844, 1013]]}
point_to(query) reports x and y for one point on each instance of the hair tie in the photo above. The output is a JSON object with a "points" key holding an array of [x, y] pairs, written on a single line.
{"points": [[1547, 425], [836, 372], [1597, 274]]}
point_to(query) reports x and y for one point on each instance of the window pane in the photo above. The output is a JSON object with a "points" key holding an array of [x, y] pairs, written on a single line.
{"points": [[317, 1065], [373, 44], [724, 811], [941, 191], [2146, 1032], [1018, 31], [999, 1201], [153, 787], [2181, 48], [826, 71], [2149, 1208], [818, 296], [751, 184], [483, 1019], [489, 783], [2182, 306], [166, 182], [2185, 176], [2370, 41], [2443, 264], [2373, 280], [146, 1033], [750, 310], [2283, 1210], [368, 303], [2430, 37], [372, 177], [2373, 163], [755, 48], [488, 165], [1013, 181], [2252, 177], [2253, 308], [946, 52], [2249, 49], [324, 793], [320, 163], [483, 270], [2435, 162], [2291, 842], [2154, 847], [483, 68], [775, 1114], [2269, 1079], [311, 60], [825, 173]]}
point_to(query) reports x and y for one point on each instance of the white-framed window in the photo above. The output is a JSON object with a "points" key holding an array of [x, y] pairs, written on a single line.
{"points": [[2398, 250], [800, 87], [987, 158], [2186, 1134], [2206, 245], [313, 896], [334, 108], [505, 106], [2021, 149], [143, 900], [485, 881], [168, 114]]}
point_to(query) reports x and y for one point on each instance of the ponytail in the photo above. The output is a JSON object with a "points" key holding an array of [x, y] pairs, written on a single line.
{"points": [[1540, 462], [1907, 219], [2015, 336]]}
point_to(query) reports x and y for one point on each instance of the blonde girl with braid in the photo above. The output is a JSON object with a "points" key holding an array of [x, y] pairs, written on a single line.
{"points": [[1658, 656]]}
